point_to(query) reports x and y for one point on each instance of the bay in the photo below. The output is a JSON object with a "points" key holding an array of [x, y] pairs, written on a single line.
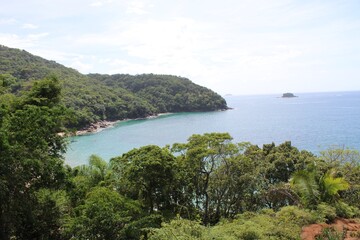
{"points": [[312, 121]]}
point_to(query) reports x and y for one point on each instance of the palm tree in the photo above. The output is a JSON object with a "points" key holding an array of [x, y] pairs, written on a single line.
{"points": [[96, 170], [313, 189], [330, 185]]}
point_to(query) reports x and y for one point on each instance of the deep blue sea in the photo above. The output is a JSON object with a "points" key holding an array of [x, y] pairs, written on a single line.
{"points": [[312, 121]]}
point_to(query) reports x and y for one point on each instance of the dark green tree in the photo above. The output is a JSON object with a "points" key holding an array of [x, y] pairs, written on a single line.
{"points": [[103, 215], [199, 159], [30, 158], [147, 174]]}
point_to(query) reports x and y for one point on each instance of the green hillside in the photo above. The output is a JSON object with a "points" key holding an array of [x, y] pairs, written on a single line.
{"points": [[98, 97], [165, 92]]}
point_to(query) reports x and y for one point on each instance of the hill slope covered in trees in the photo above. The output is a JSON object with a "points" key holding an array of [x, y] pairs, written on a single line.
{"points": [[96, 97]]}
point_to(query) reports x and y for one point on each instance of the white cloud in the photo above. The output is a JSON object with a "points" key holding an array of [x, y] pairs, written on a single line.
{"points": [[7, 21], [198, 50], [100, 3], [136, 7], [57, 55], [29, 26], [36, 37], [22, 42], [96, 4], [82, 67]]}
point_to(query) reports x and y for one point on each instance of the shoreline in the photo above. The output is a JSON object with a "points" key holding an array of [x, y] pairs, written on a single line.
{"points": [[96, 127], [104, 124]]}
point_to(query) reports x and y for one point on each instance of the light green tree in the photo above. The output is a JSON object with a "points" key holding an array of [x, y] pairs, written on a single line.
{"points": [[314, 189]]}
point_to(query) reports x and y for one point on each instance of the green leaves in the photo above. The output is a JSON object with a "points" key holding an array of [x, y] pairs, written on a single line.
{"points": [[305, 183], [30, 157], [147, 173], [314, 189], [44, 93], [331, 185], [103, 215]]}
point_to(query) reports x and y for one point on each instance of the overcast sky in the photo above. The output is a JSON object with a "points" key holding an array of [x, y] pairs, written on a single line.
{"points": [[235, 47]]}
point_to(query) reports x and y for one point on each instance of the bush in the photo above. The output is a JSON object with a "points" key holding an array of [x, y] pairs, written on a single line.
{"points": [[266, 225], [140, 228], [346, 211], [325, 213], [250, 235], [295, 215], [178, 229]]}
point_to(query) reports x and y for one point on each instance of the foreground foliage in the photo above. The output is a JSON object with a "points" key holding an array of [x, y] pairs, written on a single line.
{"points": [[285, 224], [206, 188]]}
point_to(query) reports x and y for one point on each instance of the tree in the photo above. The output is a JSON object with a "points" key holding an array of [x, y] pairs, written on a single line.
{"points": [[200, 158], [87, 176], [6, 81], [50, 210], [314, 189], [146, 174], [275, 165], [96, 171], [232, 189], [30, 158], [103, 215], [44, 93]]}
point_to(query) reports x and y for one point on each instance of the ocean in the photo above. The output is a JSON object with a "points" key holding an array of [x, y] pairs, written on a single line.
{"points": [[311, 121]]}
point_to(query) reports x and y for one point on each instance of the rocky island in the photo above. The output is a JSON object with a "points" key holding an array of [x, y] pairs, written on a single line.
{"points": [[288, 95]]}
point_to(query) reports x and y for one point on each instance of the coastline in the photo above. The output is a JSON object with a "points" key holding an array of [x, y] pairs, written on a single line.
{"points": [[96, 127], [104, 124]]}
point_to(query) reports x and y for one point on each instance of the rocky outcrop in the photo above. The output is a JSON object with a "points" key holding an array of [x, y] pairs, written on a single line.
{"points": [[96, 127], [288, 95]]}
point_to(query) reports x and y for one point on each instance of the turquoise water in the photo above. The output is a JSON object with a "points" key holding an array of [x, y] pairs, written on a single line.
{"points": [[313, 121]]}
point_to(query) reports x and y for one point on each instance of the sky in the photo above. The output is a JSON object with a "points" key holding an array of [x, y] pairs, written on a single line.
{"points": [[230, 46]]}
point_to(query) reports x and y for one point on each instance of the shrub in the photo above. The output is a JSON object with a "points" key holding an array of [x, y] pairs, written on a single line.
{"points": [[325, 213], [178, 229], [346, 211], [295, 215], [266, 225], [250, 235]]}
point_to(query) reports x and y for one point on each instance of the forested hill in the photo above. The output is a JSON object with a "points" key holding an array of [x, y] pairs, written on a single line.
{"points": [[165, 92], [96, 97]]}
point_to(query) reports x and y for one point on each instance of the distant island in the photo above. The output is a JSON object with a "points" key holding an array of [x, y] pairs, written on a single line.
{"points": [[288, 95]]}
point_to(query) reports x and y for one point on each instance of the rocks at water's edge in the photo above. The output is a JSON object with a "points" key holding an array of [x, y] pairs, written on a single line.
{"points": [[96, 127]]}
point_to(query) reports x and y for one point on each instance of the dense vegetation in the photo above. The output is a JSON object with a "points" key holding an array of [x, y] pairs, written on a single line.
{"points": [[166, 93], [206, 188], [98, 97]]}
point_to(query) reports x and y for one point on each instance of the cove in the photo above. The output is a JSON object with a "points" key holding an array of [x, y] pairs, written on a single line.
{"points": [[313, 121]]}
